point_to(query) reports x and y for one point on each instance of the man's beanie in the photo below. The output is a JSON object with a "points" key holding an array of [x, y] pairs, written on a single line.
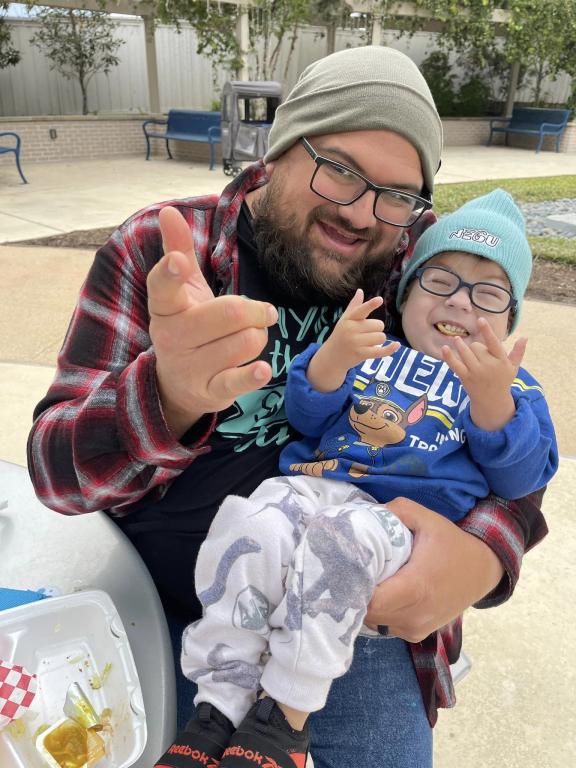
{"points": [[361, 89], [491, 226]]}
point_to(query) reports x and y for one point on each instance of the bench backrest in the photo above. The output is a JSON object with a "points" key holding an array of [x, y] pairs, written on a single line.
{"points": [[190, 121], [534, 116]]}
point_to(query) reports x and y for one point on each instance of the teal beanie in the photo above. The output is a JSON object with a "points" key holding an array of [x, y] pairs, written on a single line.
{"points": [[491, 226], [360, 89]]}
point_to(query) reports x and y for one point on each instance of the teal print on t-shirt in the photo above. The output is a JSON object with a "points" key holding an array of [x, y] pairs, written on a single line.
{"points": [[258, 418]]}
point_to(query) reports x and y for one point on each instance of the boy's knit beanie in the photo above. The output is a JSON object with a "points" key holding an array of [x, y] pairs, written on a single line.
{"points": [[360, 89], [491, 226]]}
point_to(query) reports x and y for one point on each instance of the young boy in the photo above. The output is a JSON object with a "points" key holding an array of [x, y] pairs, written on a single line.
{"points": [[286, 575]]}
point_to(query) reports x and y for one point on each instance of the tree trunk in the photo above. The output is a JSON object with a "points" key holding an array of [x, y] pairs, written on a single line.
{"points": [[80, 72], [266, 46], [291, 51], [84, 97], [330, 37], [512, 88], [539, 79]]}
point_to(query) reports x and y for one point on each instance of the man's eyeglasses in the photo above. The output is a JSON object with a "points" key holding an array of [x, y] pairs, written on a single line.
{"points": [[340, 184], [486, 296]]}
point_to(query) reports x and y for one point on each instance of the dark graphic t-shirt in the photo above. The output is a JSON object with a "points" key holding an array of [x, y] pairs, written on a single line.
{"points": [[245, 447]]}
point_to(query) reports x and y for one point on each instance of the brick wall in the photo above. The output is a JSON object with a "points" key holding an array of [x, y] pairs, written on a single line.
{"points": [[81, 137], [465, 131], [93, 137], [101, 136], [568, 143]]}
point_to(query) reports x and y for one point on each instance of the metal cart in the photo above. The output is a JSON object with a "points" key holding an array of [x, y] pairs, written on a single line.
{"points": [[248, 109]]}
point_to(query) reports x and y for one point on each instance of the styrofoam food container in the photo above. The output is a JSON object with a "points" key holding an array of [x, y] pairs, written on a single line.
{"points": [[71, 639]]}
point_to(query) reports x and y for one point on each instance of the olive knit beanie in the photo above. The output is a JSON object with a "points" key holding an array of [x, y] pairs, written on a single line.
{"points": [[359, 89]]}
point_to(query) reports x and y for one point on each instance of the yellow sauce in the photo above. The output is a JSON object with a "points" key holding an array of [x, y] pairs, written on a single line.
{"points": [[68, 745]]}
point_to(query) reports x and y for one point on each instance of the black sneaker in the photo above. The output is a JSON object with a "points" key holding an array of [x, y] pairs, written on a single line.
{"points": [[265, 739], [201, 743]]}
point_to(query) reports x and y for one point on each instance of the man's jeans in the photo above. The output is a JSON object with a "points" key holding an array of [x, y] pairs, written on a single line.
{"points": [[374, 716]]}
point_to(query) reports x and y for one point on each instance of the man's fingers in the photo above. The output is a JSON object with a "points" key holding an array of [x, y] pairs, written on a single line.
{"points": [[177, 238], [412, 514], [233, 382], [168, 292], [223, 317], [392, 596], [176, 233]]}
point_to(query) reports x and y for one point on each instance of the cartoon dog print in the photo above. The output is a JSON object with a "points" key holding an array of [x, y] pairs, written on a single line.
{"points": [[378, 423]]}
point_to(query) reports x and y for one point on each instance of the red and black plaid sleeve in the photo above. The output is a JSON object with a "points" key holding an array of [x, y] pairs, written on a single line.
{"points": [[99, 438]]}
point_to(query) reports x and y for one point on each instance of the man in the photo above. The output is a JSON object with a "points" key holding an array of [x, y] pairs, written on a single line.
{"points": [[169, 390]]}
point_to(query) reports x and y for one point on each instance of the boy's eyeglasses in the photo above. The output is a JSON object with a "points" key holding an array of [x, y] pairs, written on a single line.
{"points": [[340, 184], [486, 296]]}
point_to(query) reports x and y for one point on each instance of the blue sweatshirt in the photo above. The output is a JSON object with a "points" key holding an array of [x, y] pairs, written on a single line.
{"points": [[401, 426]]}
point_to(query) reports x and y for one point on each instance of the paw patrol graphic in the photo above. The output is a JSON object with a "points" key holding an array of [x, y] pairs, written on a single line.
{"points": [[379, 423], [376, 423]]}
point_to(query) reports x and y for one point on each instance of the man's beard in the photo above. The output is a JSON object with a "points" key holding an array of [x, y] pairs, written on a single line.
{"points": [[284, 255]]}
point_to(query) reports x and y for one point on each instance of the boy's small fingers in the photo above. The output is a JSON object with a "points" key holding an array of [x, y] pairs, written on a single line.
{"points": [[362, 310], [493, 343], [376, 348], [453, 361], [354, 302], [467, 354], [517, 352], [390, 348]]}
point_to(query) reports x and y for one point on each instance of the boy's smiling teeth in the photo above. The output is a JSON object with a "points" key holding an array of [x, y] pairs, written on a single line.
{"points": [[451, 330]]}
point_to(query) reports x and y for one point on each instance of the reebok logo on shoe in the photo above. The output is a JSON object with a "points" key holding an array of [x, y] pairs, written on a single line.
{"points": [[194, 754], [248, 754]]}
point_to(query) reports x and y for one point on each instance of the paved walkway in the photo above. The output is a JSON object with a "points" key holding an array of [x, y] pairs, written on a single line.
{"points": [[97, 193], [517, 708]]}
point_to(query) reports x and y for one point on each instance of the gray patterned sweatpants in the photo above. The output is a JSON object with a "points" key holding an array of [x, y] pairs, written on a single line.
{"points": [[285, 577]]}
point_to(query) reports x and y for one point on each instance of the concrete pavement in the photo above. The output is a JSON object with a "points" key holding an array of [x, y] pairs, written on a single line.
{"points": [[517, 708], [98, 193]]}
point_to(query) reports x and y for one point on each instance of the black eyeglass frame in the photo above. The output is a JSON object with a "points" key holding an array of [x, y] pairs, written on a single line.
{"points": [[512, 303], [370, 187]]}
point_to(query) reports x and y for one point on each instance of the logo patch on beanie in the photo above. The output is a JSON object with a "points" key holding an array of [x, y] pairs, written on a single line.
{"points": [[477, 235]]}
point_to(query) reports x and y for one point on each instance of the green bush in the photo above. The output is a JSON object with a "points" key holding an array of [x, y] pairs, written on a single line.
{"points": [[436, 71], [473, 98]]}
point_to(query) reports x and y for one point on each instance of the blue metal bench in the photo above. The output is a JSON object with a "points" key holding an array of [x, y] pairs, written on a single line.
{"points": [[16, 149], [537, 122], [186, 125]]}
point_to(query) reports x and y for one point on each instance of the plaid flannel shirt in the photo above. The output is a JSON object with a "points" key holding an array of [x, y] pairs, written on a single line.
{"points": [[100, 441]]}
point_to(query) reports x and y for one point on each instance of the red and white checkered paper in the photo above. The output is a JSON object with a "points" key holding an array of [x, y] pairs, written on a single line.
{"points": [[17, 691]]}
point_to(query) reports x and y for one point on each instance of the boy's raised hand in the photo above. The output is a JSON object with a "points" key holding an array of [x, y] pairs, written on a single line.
{"points": [[356, 337], [487, 372], [205, 346]]}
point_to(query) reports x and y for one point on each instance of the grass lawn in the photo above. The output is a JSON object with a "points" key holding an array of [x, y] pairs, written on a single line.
{"points": [[448, 197]]}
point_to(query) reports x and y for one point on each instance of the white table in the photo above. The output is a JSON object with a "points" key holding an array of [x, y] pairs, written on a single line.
{"points": [[41, 548]]}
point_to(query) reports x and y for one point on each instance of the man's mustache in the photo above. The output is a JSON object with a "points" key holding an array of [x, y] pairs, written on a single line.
{"points": [[324, 217]]}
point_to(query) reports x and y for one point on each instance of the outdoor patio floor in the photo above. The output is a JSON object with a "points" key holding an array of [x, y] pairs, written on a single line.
{"points": [[517, 707]]}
